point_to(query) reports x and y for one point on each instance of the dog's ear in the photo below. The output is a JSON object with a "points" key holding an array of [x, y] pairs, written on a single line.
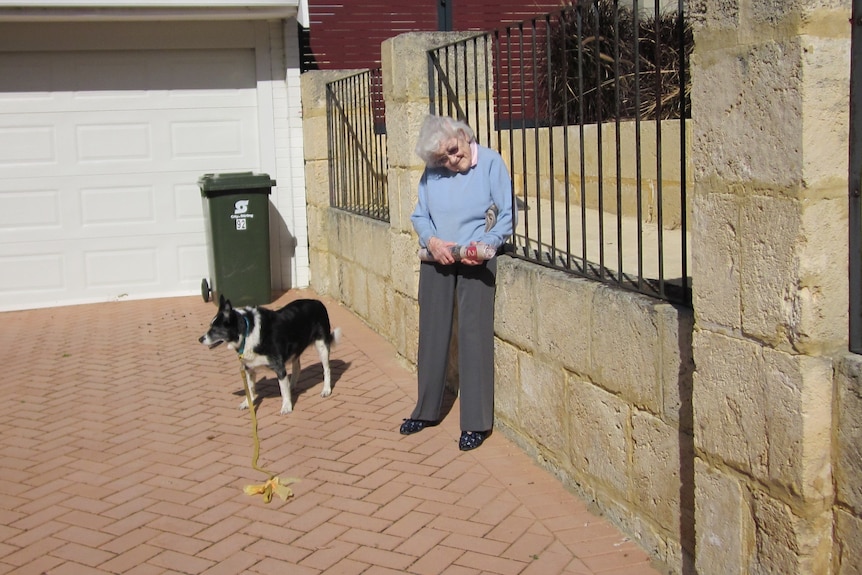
{"points": [[224, 304]]}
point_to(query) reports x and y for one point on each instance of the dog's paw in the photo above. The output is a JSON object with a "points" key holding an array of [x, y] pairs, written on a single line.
{"points": [[286, 405], [244, 404], [326, 392]]}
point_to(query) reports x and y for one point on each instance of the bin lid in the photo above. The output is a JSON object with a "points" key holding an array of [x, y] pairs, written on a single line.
{"points": [[234, 181]]}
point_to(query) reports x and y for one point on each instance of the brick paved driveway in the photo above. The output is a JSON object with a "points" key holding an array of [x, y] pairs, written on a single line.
{"points": [[122, 450]]}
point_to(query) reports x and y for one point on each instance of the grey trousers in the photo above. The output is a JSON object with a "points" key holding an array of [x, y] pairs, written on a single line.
{"points": [[473, 287]]}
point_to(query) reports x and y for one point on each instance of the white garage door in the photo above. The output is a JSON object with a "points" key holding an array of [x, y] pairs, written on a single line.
{"points": [[100, 153]]}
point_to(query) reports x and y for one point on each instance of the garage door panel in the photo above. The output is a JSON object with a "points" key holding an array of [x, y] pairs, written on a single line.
{"points": [[55, 144], [26, 145], [36, 272], [191, 265], [25, 273], [36, 102], [100, 207], [217, 72], [37, 210], [207, 138], [107, 142], [118, 206], [187, 204], [46, 273], [126, 80], [120, 268]]}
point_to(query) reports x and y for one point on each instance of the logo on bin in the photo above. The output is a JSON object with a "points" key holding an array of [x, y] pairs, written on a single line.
{"points": [[240, 213]]}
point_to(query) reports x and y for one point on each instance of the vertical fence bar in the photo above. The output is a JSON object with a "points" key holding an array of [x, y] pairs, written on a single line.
{"points": [[498, 85], [452, 63], [351, 143], [683, 168], [359, 181], [617, 141], [599, 149], [536, 143], [340, 190], [658, 184], [548, 121], [382, 159], [509, 96], [443, 108], [582, 137], [444, 62], [331, 163], [458, 53], [368, 143], [564, 33], [461, 54], [332, 136], [638, 149], [344, 149], [356, 176], [855, 180], [359, 196], [488, 94], [362, 113], [508, 114], [343, 189], [522, 107], [477, 127]]}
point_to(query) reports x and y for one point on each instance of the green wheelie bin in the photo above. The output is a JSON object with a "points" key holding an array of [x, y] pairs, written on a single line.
{"points": [[236, 215]]}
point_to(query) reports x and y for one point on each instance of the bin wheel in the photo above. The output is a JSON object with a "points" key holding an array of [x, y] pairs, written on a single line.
{"points": [[205, 290]]}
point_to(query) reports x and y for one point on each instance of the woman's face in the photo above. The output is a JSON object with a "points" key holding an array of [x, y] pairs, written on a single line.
{"points": [[454, 154]]}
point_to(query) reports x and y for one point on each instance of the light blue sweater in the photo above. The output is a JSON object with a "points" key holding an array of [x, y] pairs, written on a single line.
{"points": [[452, 205]]}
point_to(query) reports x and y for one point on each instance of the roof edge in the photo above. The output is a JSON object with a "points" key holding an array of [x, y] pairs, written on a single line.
{"points": [[118, 11]]}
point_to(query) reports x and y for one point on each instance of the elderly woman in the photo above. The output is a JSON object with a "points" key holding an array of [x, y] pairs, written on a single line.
{"points": [[462, 180]]}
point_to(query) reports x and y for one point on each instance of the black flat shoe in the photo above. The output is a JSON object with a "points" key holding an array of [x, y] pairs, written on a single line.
{"points": [[411, 426], [471, 439]]}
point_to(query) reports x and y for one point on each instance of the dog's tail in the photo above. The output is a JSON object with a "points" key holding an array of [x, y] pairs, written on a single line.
{"points": [[334, 337]]}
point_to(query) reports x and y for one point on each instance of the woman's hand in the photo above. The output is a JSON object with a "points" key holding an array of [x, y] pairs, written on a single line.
{"points": [[441, 250]]}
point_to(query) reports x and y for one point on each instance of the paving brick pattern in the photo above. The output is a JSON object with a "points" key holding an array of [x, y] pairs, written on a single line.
{"points": [[122, 450]]}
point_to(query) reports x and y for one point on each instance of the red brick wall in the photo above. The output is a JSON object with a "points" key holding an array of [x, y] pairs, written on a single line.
{"points": [[348, 34]]}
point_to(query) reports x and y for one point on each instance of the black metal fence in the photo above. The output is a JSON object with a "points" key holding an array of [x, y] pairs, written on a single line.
{"points": [[855, 181], [588, 106], [356, 132]]}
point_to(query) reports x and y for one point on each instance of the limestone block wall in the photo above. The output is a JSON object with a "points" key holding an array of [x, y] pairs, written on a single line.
{"points": [[848, 465], [775, 400], [595, 382]]}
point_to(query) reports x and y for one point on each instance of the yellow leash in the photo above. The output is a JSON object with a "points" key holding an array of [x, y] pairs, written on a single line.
{"points": [[273, 485]]}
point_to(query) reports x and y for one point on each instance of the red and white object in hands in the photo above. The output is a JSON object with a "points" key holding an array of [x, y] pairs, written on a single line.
{"points": [[477, 251]]}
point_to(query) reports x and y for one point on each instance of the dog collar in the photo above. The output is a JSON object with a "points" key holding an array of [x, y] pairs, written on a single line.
{"points": [[241, 349]]}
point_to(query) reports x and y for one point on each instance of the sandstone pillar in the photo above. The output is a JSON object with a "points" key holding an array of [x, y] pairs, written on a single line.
{"points": [[770, 100]]}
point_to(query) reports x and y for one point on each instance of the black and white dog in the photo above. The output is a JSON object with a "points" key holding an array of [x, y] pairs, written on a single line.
{"points": [[267, 338]]}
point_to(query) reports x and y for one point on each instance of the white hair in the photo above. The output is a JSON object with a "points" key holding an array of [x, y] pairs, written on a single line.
{"points": [[434, 132]]}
